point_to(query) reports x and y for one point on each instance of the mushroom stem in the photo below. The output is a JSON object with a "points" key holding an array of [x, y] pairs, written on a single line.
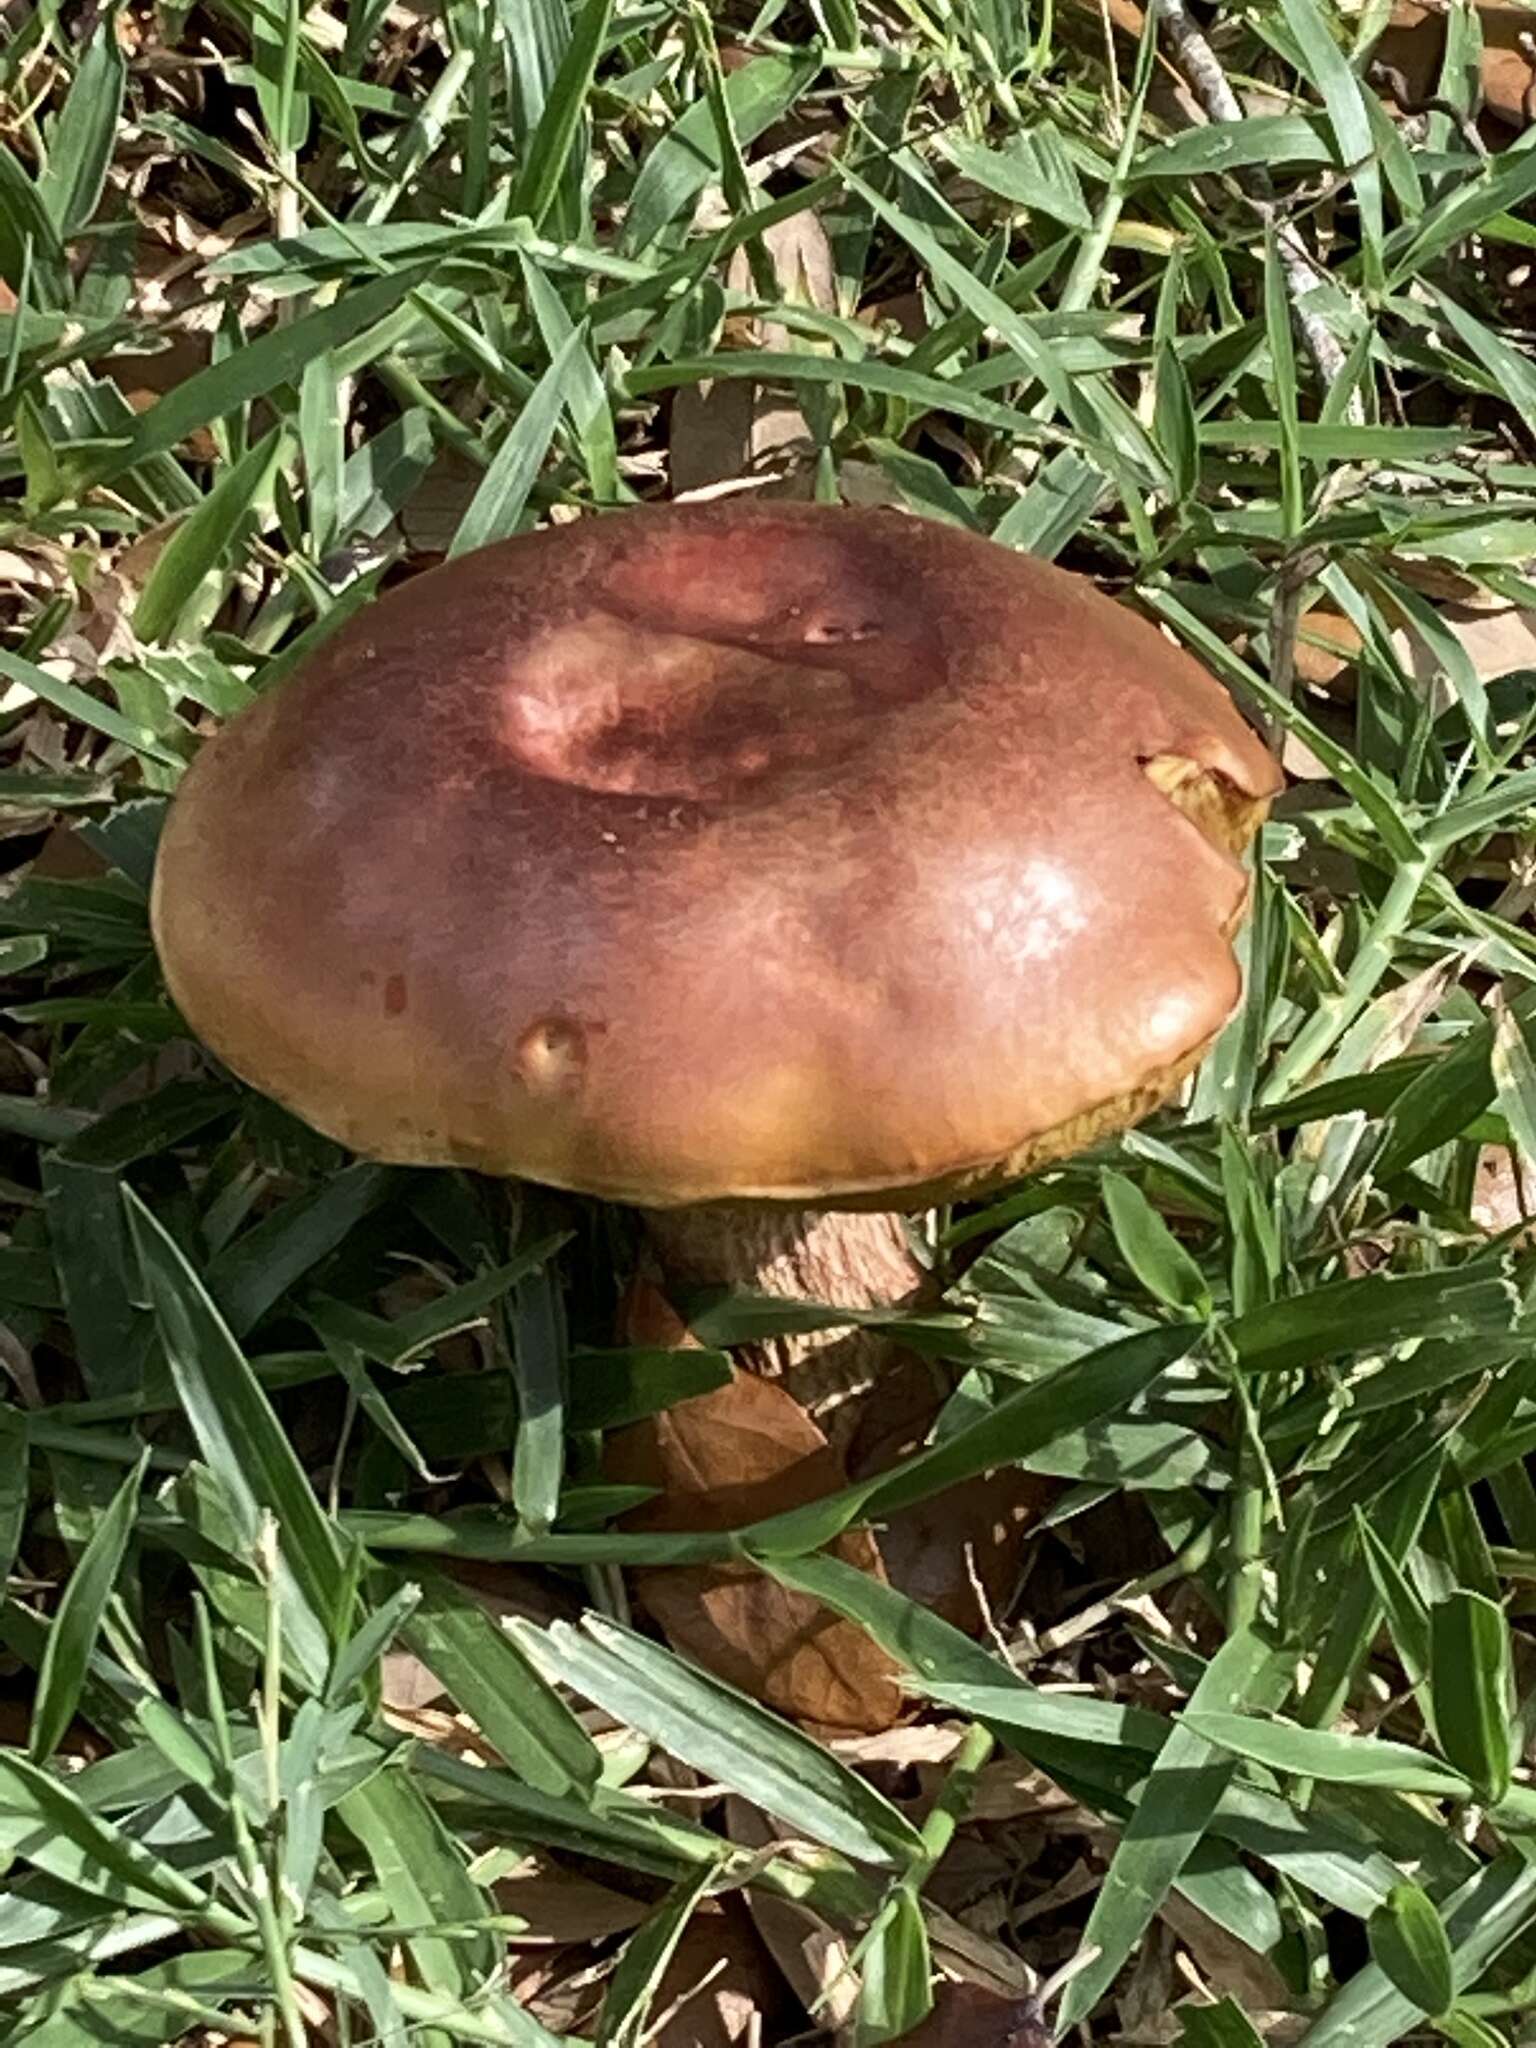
{"points": [[845, 1259]]}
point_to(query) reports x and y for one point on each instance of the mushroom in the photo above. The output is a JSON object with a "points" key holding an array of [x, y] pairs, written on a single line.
{"points": [[775, 869]]}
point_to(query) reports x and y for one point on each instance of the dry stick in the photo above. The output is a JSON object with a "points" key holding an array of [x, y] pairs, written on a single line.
{"points": [[1211, 87]]}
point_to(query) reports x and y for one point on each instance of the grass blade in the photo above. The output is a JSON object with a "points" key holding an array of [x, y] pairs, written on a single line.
{"points": [[241, 1439], [1177, 1805], [724, 1734], [1410, 1946], [77, 1623], [496, 510]]}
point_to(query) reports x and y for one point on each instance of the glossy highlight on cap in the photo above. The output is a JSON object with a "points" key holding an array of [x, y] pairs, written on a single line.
{"points": [[732, 850]]}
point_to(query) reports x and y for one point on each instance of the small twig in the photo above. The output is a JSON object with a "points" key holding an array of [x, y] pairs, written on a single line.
{"points": [[1212, 88], [1296, 572], [1392, 79], [1117, 97], [984, 1608], [659, 2026]]}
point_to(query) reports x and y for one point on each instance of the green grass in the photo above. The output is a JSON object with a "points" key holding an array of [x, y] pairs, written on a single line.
{"points": [[450, 277]]}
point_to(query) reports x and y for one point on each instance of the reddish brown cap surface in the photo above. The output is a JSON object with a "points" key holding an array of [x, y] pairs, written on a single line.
{"points": [[723, 850]]}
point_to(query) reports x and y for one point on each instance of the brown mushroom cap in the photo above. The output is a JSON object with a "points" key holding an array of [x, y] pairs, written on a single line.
{"points": [[730, 850]]}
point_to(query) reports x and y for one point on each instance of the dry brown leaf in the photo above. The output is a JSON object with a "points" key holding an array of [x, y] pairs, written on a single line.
{"points": [[804, 268], [561, 1987], [65, 856], [561, 1907], [750, 1449], [730, 432], [1125, 14], [1327, 644], [1439, 580], [1502, 1199], [778, 1646], [971, 2016], [965, 1952], [405, 1683], [1413, 46], [919, 1742], [720, 1983], [1080, 1882], [430, 516], [1009, 1790], [812, 1955], [731, 1456], [1226, 1965], [904, 313], [648, 1319], [960, 1553], [455, 1734], [976, 1879], [1497, 641]]}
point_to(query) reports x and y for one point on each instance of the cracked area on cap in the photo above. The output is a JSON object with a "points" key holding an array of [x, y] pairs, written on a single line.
{"points": [[787, 852]]}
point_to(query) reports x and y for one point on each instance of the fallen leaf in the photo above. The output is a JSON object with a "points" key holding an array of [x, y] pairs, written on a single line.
{"points": [[977, 1879], [1503, 1199], [720, 1985], [1125, 14], [1327, 645], [904, 315], [734, 1455], [729, 432], [1497, 641], [405, 1682], [65, 857], [918, 1742], [559, 1906], [971, 2016], [813, 1956], [647, 1318], [455, 1734], [430, 516], [1439, 580], [1008, 1789], [147, 378], [961, 1553], [1413, 47], [965, 1953], [1079, 1882], [1225, 1964]]}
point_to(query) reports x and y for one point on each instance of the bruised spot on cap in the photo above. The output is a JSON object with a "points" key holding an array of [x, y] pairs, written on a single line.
{"points": [[551, 1056], [395, 997]]}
